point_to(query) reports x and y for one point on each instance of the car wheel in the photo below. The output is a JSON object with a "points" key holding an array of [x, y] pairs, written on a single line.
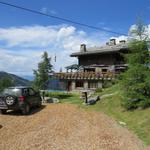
{"points": [[26, 110], [10, 100], [3, 111]]}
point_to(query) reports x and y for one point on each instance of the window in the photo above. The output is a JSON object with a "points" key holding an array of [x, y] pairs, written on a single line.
{"points": [[79, 84], [104, 70], [89, 70], [13, 91], [92, 84], [25, 92]]}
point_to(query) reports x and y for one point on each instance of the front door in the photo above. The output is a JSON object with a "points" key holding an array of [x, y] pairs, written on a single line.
{"points": [[69, 86]]}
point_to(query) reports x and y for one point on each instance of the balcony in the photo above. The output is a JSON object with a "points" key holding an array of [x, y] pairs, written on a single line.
{"points": [[85, 76]]}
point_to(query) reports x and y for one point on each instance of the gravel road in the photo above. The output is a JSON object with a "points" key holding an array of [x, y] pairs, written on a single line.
{"points": [[64, 127]]}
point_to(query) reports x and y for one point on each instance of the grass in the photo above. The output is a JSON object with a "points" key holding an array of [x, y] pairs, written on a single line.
{"points": [[60, 95], [137, 121]]}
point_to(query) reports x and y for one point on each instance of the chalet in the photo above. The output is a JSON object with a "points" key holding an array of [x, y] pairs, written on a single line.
{"points": [[95, 65], [107, 58]]}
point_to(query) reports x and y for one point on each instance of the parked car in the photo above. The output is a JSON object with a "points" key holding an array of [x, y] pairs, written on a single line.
{"points": [[19, 98]]}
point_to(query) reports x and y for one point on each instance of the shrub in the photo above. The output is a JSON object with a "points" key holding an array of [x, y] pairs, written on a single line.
{"points": [[98, 90], [107, 84], [59, 95]]}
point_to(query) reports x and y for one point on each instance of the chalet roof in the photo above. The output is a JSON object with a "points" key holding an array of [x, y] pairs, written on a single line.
{"points": [[85, 76], [102, 49], [74, 66]]}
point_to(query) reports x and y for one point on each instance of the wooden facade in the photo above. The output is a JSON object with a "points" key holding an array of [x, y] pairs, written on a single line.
{"points": [[108, 57], [100, 59]]}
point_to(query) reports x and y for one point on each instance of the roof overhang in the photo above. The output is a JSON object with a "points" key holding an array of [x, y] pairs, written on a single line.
{"points": [[99, 52]]}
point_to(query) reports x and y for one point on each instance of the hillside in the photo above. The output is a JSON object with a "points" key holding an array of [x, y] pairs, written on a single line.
{"points": [[137, 120], [17, 80]]}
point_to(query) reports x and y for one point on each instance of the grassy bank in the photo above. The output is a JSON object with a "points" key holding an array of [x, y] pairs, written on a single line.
{"points": [[137, 121]]}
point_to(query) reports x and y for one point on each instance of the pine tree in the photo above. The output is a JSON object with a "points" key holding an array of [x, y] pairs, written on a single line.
{"points": [[136, 80], [42, 73]]}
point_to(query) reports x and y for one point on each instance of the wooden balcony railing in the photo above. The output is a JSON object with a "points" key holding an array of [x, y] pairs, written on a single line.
{"points": [[85, 75]]}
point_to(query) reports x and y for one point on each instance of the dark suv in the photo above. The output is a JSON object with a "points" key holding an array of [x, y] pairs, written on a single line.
{"points": [[19, 98]]}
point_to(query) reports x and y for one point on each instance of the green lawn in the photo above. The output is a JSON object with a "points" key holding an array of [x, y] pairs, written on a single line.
{"points": [[138, 120]]}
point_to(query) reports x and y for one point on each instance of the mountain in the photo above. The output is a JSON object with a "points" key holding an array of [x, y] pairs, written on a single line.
{"points": [[17, 80], [28, 77]]}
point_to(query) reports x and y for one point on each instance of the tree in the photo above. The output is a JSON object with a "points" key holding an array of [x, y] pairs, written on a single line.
{"points": [[42, 73], [138, 31], [136, 80], [6, 82]]}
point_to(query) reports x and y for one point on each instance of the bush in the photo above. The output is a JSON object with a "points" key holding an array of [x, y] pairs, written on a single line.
{"points": [[59, 95], [145, 103], [98, 90], [130, 104], [107, 84]]}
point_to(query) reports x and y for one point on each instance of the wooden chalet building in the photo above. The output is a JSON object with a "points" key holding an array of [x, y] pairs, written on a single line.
{"points": [[95, 65], [102, 59]]}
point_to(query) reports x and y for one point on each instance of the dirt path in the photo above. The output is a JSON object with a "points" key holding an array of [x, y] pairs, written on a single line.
{"points": [[64, 127]]}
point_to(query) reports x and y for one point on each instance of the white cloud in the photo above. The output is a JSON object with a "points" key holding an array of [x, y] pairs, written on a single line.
{"points": [[28, 36], [53, 12], [148, 30], [21, 47], [45, 10], [19, 63], [38, 36], [133, 34]]}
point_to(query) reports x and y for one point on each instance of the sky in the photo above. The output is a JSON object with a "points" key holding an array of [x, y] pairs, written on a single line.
{"points": [[24, 36]]}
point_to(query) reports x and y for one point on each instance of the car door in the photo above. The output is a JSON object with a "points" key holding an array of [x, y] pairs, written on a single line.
{"points": [[33, 96], [25, 92]]}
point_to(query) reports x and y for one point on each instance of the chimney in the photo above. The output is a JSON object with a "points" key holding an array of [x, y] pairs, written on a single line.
{"points": [[83, 48], [112, 41], [122, 42]]}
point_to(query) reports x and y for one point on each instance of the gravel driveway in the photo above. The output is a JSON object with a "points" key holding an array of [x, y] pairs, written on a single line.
{"points": [[64, 127]]}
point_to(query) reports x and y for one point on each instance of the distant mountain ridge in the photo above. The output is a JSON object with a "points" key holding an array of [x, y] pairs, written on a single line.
{"points": [[28, 77], [19, 81]]}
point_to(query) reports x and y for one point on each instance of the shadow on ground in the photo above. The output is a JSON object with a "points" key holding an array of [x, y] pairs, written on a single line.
{"points": [[1, 126], [33, 111]]}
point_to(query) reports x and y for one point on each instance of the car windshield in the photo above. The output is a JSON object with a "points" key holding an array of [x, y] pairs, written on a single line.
{"points": [[12, 91]]}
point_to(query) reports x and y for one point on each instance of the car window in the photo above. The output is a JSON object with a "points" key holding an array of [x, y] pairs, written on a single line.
{"points": [[25, 92], [31, 92], [12, 91]]}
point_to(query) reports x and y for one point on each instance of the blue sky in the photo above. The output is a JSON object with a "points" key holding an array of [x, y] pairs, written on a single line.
{"points": [[24, 36], [117, 14]]}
